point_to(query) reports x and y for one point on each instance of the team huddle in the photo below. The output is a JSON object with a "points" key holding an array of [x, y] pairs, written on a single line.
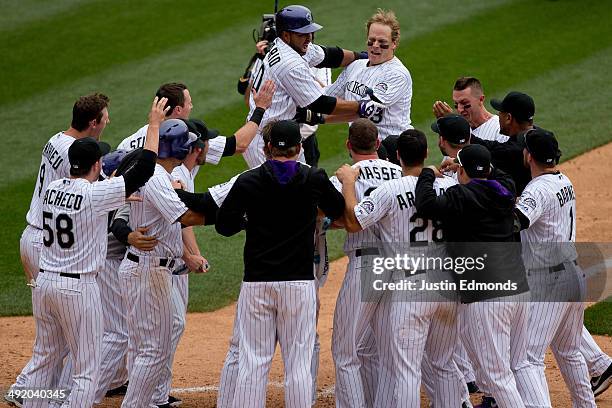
{"points": [[109, 242]]}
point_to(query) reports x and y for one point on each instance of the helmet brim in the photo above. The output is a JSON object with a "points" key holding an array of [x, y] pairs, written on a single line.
{"points": [[310, 28]]}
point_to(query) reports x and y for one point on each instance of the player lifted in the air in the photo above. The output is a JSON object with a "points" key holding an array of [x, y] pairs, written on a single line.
{"points": [[288, 64]]}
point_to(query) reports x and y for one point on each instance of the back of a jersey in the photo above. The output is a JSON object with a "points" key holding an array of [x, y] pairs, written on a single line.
{"points": [[549, 202], [74, 213], [372, 173], [54, 165]]}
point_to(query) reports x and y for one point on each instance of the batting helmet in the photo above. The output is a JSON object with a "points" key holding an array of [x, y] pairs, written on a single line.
{"points": [[174, 139], [111, 161], [297, 19]]}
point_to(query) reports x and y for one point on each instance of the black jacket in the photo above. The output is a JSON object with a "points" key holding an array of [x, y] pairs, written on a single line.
{"points": [[477, 219], [508, 157], [278, 214]]}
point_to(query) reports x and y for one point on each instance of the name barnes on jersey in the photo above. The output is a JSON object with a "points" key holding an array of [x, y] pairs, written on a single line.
{"points": [[69, 201]]}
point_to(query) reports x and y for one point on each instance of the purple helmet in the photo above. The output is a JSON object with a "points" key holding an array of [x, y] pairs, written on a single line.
{"points": [[111, 161], [175, 139], [297, 19]]}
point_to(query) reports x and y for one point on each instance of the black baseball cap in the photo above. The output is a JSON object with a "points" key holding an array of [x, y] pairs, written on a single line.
{"points": [[476, 160], [390, 144], [518, 104], [541, 144], [83, 153], [454, 128], [203, 132], [285, 134]]}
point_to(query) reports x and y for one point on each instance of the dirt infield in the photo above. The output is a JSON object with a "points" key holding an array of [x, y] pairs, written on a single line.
{"points": [[202, 350]]}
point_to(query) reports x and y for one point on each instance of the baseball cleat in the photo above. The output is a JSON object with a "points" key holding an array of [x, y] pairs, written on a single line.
{"points": [[120, 390], [174, 401], [13, 400], [603, 382], [472, 387]]}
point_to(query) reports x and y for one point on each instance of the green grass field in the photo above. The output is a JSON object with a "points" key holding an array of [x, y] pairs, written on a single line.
{"points": [[53, 51]]}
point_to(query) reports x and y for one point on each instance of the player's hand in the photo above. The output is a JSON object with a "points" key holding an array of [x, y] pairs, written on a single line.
{"points": [[370, 109], [305, 115], [139, 240], [158, 111], [134, 198], [441, 109], [261, 47], [436, 171], [347, 174], [449, 165], [263, 98], [177, 185], [196, 263]]}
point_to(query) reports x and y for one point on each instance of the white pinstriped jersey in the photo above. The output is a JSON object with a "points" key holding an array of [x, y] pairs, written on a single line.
{"points": [[75, 214], [372, 173], [295, 86], [160, 209], [391, 83], [324, 77], [187, 177], [549, 203], [490, 130], [392, 206], [54, 165], [137, 140]]}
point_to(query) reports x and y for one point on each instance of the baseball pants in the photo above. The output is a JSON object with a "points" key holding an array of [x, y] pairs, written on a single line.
{"points": [[229, 372], [496, 342], [271, 311], [30, 246], [349, 347], [67, 311], [180, 286], [597, 361], [558, 324], [147, 290], [424, 324]]}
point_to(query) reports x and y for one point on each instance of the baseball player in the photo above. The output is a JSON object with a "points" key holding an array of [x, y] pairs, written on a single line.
{"points": [[147, 276], [309, 137], [413, 326], [547, 214], [288, 64], [89, 118], [476, 215], [219, 146], [350, 323], [469, 97], [229, 372], [66, 298], [277, 297], [382, 72]]}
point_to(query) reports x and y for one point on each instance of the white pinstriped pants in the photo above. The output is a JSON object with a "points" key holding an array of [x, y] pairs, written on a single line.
{"points": [[146, 290], [269, 311], [496, 342], [180, 287], [354, 352], [67, 311], [560, 325], [424, 327]]}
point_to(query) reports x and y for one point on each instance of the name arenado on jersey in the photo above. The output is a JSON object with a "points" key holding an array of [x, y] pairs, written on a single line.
{"points": [[406, 200]]}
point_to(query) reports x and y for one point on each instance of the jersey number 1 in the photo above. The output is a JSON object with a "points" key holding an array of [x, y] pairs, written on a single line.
{"points": [[63, 226]]}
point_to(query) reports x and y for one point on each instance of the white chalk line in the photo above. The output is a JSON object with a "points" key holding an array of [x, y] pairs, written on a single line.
{"points": [[325, 392]]}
